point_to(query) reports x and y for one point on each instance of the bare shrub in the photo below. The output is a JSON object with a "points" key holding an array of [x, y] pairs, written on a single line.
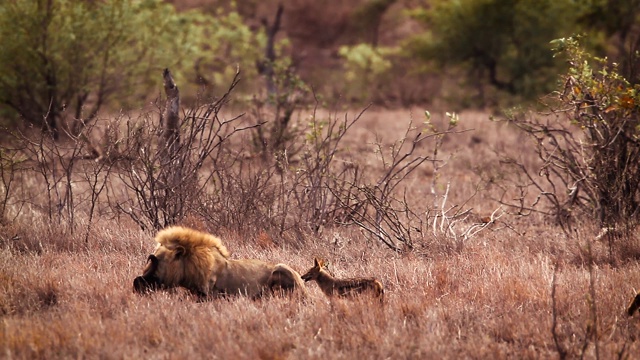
{"points": [[166, 185], [273, 113], [53, 164], [316, 184], [10, 162], [154, 175], [160, 174], [325, 186], [275, 131], [292, 194], [382, 208], [54, 178]]}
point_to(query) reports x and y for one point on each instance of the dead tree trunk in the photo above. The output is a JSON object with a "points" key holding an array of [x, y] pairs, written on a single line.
{"points": [[279, 89], [265, 67], [171, 162], [170, 119]]}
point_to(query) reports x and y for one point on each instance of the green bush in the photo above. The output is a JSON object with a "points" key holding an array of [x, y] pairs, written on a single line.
{"points": [[364, 66], [503, 42], [73, 56], [66, 59]]}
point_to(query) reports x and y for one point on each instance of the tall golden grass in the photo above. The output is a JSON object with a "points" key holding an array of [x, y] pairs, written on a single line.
{"points": [[521, 288]]}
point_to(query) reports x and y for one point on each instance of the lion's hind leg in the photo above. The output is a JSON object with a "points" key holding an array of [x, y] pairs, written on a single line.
{"points": [[284, 279], [635, 305]]}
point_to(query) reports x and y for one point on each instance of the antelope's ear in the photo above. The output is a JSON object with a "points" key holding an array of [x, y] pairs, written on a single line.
{"points": [[316, 262], [180, 251]]}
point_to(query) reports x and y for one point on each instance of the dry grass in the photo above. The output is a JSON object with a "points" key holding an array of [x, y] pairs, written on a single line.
{"points": [[62, 297]]}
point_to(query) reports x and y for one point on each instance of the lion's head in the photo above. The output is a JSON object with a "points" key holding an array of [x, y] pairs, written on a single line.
{"points": [[183, 257]]}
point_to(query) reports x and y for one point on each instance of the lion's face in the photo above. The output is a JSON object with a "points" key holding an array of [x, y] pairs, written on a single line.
{"points": [[148, 281], [162, 271]]}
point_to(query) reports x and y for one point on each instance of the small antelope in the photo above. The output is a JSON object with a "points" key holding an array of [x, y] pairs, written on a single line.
{"points": [[635, 305], [331, 286]]}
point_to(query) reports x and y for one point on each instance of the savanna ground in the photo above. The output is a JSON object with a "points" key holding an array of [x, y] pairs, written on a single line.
{"points": [[519, 288]]}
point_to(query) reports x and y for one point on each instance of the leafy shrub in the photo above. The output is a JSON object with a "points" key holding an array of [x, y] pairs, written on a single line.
{"points": [[69, 55], [590, 142], [66, 59]]}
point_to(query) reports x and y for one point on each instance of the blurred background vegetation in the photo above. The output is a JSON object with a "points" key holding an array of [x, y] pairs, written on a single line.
{"points": [[67, 60]]}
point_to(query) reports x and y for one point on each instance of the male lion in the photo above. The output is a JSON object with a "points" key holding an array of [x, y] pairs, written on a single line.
{"points": [[200, 263]]}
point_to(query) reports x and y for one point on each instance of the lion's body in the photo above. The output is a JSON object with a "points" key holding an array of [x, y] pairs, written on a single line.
{"points": [[331, 286], [200, 263], [251, 277]]}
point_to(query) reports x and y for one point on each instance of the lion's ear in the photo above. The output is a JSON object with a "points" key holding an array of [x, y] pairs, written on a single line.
{"points": [[153, 260], [180, 251]]}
